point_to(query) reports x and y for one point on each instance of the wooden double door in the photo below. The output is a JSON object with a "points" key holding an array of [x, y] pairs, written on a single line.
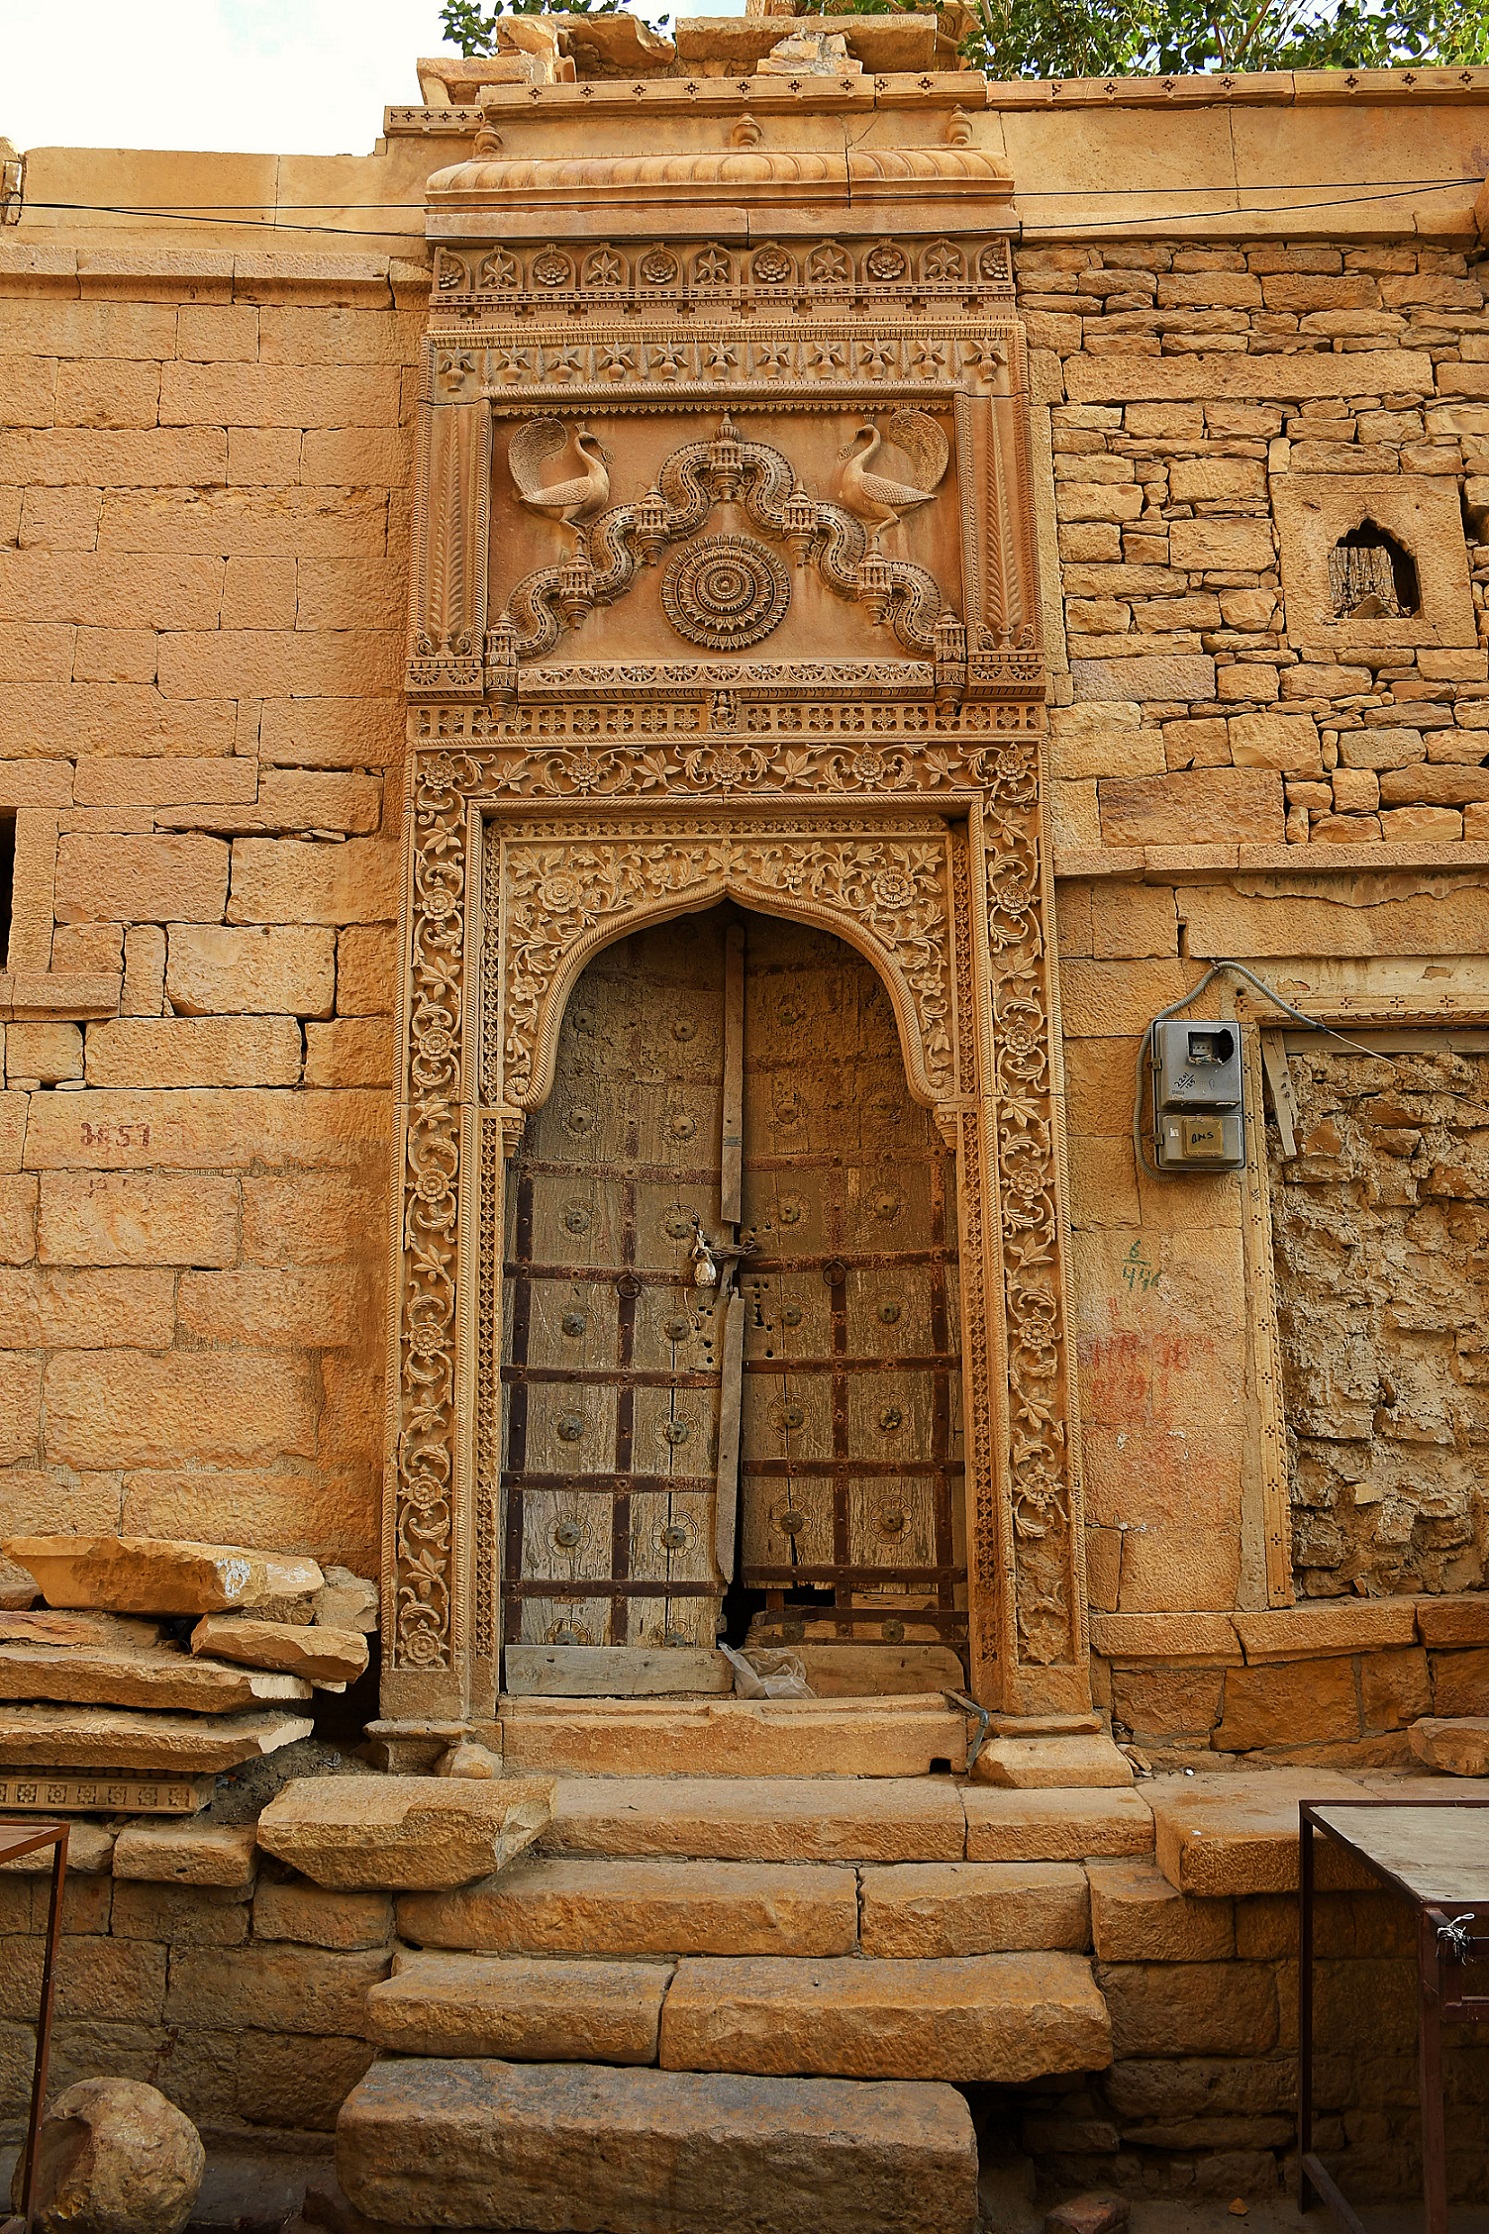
{"points": [[732, 1325]]}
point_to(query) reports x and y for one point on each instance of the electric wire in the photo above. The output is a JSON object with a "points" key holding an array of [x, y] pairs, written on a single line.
{"points": [[1145, 1045]]}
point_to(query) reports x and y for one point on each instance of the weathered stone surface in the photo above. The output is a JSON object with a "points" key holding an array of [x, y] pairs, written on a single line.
{"points": [[894, 1737], [1459, 1621], [760, 1819], [58, 1737], [550, 2011], [1237, 1834], [1317, 1632], [186, 1853], [1192, 807], [973, 1908], [1460, 1682], [90, 1849], [559, 2146], [403, 1833], [1031, 1764], [103, 1631], [318, 1655], [1460, 1747], [1088, 2214], [347, 1601], [994, 2017], [542, 1906], [1054, 1826], [1312, 1700], [260, 970], [1191, 2009], [273, 1988], [312, 1916], [1138, 1916], [115, 2158], [160, 1678], [138, 1574]]}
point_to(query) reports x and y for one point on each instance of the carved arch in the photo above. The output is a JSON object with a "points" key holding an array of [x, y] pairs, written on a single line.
{"points": [[563, 893]]}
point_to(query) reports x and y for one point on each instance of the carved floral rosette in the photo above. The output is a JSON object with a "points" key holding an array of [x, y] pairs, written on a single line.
{"points": [[942, 889]]}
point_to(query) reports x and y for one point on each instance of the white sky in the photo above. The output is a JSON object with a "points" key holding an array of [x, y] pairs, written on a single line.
{"points": [[257, 76]]}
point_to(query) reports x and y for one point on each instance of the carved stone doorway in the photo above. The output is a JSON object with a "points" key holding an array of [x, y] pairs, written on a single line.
{"points": [[732, 1314]]}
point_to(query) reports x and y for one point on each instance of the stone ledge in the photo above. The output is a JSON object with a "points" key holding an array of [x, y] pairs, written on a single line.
{"points": [[1327, 1629], [1160, 864], [34, 996], [1245, 89]]}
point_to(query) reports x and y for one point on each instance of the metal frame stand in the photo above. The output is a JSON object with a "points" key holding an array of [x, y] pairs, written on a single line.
{"points": [[24, 1838], [1445, 1945]]}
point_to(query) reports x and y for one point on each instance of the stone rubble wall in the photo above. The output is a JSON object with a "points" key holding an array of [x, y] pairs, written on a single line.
{"points": [[205, 477], [1381, 1227], [1198, 395]]}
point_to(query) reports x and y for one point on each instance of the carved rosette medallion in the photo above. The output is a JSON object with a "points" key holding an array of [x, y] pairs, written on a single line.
{"points": [[725, 592]]}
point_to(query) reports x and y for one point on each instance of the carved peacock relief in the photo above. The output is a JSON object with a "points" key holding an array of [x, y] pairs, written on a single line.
{"points": [[575, 502], [875, 499]]}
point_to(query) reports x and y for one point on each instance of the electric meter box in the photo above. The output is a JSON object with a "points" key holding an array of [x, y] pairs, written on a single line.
{"points": [[1198, 1124]]}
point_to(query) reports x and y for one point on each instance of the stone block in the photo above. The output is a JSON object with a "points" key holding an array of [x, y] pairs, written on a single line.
{"points": [[1054, 1826], [1191, 2008], [1462, 1620], [1458, 1747], [366, 970], [1285, 741], [47, 1052], [194, 1051], [1433, 785], [270, 1306], [549, 2011], [41, 1308], [1394, 1688], [1186, 677], [542, 1906], [403, 1833], [1289, 1705], [179, 1915], [288, 880], [1460, 1683], [165, 1679], [1167, 1636], [137, 1218], [1199, 806], [1223, 546], [653, 2152], [1088, 1762], [273, 1987], [133, 1574], [1160, 1705], [186, 1853], [355, 1051], [771, 1819], [309, 1915], [1002, 2018], [1138, 1916], [1321, 1630], [134, 1408], [259, 970], [1215, 480], [130, 879], [973, 1908], [734, 1737], [1217, 1836], [1424, 825], [318, 1655]]}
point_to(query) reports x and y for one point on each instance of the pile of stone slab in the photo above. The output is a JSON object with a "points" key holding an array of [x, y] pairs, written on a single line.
{"points": [[170, 1659]]}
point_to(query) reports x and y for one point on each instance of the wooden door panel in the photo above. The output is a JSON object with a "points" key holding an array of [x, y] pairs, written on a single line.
{"points": [[612, 1383], [892, 1524]]}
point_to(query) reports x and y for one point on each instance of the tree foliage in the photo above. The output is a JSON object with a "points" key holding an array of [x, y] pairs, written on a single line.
{"points": [[1133, 38]]}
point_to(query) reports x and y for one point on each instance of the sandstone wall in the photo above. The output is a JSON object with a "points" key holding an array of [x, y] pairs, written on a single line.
{"points": [[1218, 413], [205, 467]]}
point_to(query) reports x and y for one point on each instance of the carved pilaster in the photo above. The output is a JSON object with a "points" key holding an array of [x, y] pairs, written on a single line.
{"points": [[452, 515]]}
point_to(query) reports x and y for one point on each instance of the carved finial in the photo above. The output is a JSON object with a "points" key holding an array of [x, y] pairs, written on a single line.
{"points": [[488, 139], [959, 129], [746, 131]]}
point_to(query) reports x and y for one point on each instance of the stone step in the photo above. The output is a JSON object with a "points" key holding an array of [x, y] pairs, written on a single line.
{"points": [[613, 2151], [762, 1819], [878, 1737], [1005, 2018], [540, 1906]]}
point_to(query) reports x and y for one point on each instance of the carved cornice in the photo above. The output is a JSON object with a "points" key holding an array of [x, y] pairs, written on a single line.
{"points": [[767, 176]]}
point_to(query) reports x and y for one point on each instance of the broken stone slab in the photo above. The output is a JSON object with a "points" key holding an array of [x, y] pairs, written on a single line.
{"points": [[1089, 1762], [535, 2011], [186, 1854], [761, 1819], [317, 1655], [404, 1833], [1459, 1747], [115, 2157], [548, 2147], [58, 1737], [346, 1601], [167, 1679], [1000, 2018], [138, 1574], [556, 1907], [1091, 2213], [1222, 1835], [106, 1631]]}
